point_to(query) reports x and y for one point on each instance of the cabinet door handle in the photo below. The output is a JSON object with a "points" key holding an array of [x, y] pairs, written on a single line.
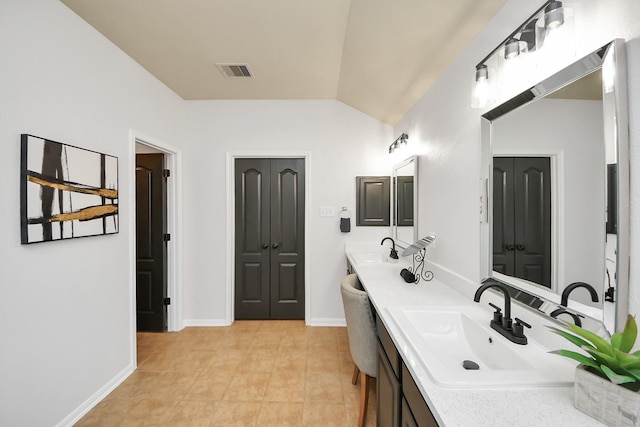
{"points": [[510, 247], [265, 246], [275, 246], [520, 247]]}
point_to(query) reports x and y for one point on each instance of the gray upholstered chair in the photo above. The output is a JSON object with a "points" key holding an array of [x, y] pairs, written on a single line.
{"points": [[361, 328]]}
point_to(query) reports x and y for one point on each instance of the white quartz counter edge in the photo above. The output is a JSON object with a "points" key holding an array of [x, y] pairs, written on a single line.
{"points": [[474, 407]]}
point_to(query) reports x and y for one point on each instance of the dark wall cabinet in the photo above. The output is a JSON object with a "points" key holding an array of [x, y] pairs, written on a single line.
{"points": [[373, 200], [400, 402]]}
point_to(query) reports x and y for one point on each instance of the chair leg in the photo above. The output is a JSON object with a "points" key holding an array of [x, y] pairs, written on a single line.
{"points": [[356, 372], [364, 397]]}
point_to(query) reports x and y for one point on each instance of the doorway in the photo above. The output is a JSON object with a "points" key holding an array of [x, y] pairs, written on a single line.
{"points": [[522, 218], [144, 144], [269, 239], [151, 243]]}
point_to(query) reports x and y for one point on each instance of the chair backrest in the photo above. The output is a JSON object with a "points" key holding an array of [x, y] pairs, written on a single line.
{"points": [[361, 326]]}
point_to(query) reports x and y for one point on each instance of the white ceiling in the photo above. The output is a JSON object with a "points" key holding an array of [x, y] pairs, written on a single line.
{"points": [[378, 56]]}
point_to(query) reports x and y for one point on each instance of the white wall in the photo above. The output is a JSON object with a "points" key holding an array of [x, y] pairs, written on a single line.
{"points": [[342, 143], [65, 307], [449, 129]]}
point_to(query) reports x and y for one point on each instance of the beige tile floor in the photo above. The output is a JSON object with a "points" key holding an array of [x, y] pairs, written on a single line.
{"points": [[253, 373]]}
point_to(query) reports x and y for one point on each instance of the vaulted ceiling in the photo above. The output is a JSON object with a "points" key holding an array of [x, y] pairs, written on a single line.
{"points": [[378, 56]]}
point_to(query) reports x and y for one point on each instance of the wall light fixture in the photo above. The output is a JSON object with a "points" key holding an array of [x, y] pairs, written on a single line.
{"points": [[402, 139], [528, 37]]}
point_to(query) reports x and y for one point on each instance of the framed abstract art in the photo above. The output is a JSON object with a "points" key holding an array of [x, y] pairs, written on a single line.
{"points": [[66, 191]]}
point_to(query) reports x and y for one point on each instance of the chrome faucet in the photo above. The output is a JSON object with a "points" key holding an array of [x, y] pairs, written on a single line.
{"points": [[503, 323], [394, 253]]}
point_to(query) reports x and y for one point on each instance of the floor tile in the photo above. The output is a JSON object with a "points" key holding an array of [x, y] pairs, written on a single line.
{"points": [[247, 387], [210, 386], [109, 412], [192, 414], [325, 415], [168, 385], [253, 373], [150, 412], [280, 414], [323, 387], [286, 386], [231, 414]]}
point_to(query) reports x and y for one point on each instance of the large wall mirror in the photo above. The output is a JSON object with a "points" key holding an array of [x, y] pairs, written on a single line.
{"points": [[405, 206], [557, 175]]}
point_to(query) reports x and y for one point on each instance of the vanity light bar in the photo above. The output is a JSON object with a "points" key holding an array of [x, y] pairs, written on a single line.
{"points": [[553, 9], [402, 139]]}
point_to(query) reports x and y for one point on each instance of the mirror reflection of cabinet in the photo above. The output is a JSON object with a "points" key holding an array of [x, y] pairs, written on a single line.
{"points": [[405, 206], [404, 201]]}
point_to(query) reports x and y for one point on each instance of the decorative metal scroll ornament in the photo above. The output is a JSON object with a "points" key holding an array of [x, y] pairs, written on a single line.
{"points": [[419, 252], [418, 266]]}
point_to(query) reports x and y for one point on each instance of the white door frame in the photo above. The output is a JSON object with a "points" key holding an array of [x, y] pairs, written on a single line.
{"points": [[173, 162], [230, 283], [556, 158]]}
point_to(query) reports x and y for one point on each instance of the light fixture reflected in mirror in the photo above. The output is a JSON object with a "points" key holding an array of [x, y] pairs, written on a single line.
{"points": [[528, 35], [511, 48], [553, 15]]}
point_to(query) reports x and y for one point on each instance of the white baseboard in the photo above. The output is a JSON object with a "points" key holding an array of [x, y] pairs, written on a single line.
{"points": [[205, 322], [96, 398], [222, 322], [327, 322]]}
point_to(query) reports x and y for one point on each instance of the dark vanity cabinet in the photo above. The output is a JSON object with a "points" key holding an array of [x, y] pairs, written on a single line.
{"points": [[400, 402], [388, 381], [415, 411]]}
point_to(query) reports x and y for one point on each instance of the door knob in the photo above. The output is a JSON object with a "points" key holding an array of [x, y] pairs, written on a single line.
{"points": [[520, 247], [274, 246], [510, 247], [265, 246]]}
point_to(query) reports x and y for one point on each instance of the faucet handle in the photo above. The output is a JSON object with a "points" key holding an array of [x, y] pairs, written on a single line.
{"points": [[518, 329], [497, 315]]}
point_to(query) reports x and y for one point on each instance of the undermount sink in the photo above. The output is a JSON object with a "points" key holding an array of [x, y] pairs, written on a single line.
{"points": [[444, 338]]}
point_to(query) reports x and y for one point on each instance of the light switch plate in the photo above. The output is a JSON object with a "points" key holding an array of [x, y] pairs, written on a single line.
{"points": [[327, 211]]}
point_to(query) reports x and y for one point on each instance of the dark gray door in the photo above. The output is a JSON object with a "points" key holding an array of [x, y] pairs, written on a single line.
{"points": [[269, 238], [522, 218], [151, 247]]}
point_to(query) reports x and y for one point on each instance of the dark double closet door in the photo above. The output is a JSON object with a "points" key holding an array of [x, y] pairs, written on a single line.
{"points": [[522, 218], [269, 238]]}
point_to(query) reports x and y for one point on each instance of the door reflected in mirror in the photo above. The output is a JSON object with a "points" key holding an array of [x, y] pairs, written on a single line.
{"points": [[554, 153]]}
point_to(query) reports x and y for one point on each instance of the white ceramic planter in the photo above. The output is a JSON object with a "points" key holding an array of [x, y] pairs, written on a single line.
{"points": [[608, 403]]}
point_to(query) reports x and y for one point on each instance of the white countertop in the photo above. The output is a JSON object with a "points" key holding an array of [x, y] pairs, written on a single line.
{"points": [[459, 407]]}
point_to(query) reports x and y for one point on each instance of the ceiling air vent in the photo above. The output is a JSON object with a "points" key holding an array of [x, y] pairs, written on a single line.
{"points": [[234, 70]]}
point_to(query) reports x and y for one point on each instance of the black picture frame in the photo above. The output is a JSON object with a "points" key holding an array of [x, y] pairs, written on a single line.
{"points": [[66, 192]]}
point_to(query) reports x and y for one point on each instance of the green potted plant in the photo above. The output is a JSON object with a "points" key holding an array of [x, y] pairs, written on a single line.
{"points": [[608, 377]]}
